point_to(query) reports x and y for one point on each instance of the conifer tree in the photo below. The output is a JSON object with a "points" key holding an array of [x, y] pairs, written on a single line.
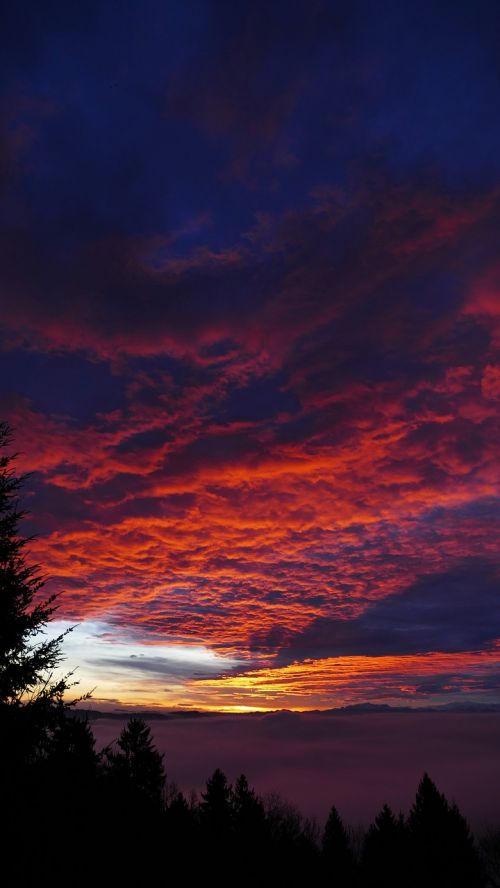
{"points": [[338, 858], [216, 809], [137, 764], [248, 810], [249, 824], [384, 856], [443, 850], [27, 661], [41, 749]]}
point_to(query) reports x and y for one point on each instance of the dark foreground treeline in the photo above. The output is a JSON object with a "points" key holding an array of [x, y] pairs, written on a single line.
{"points": [[73, 815]]}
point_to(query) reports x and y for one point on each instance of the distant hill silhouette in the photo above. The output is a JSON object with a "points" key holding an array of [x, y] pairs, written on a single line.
{"points": [[353, 709]]}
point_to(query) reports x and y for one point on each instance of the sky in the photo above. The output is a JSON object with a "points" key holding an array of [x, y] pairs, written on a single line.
{"points": [[249, 344]]}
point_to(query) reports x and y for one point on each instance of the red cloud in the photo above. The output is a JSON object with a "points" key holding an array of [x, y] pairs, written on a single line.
{"points": [[179, 516]]}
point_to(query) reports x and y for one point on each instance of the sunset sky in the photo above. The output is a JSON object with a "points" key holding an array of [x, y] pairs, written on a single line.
{"points": [[249, 344]]}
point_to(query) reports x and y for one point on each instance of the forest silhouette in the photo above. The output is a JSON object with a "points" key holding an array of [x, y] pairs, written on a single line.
{"points": [[74, 814]]}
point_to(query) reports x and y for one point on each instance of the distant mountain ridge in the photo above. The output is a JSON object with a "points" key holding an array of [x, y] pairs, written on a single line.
{"points": [[352, 709]]}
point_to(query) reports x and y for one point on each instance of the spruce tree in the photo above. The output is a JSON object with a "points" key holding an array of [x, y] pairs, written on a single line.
{"points": [[338, 858], [443, 850], [216, 804], [41, 748], [384, 859], [248, 810], [216, 822], [249, 824], [27, 661], [137, 766]]}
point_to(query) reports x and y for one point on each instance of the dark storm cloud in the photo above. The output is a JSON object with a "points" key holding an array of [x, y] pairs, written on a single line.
{"points": [[302, 298], [454, 611]]}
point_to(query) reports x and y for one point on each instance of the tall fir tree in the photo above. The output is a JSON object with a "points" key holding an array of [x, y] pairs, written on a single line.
{"points": [[216, 804], [250, 843], [27, 661], [136, 764], [385, 851], [43, 752], [338, 858], [443, 851]]}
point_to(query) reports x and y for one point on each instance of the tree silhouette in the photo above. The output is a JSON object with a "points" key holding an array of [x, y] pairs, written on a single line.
{"points": [[71, 753], [137, 765], [384, 858], [180, 815], [26, 660], [131, 811], [490, 852], [248, 810], [216, 823], [250, 830], [182, 834], [66, 780], [294, 853], [42, 750], [216, 807], [338, 857], [443, 850]]}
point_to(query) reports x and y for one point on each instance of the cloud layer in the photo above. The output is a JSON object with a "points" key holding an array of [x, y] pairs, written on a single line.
{"points": [[250, 329]]}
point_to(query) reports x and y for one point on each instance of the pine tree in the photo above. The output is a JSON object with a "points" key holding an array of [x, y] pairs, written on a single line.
{"points": [[32, 704], [38, 740], [384, 857], [216, 808], [27, 661], [248, 810], [443, 850], [338, 857], [137, 765]]}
